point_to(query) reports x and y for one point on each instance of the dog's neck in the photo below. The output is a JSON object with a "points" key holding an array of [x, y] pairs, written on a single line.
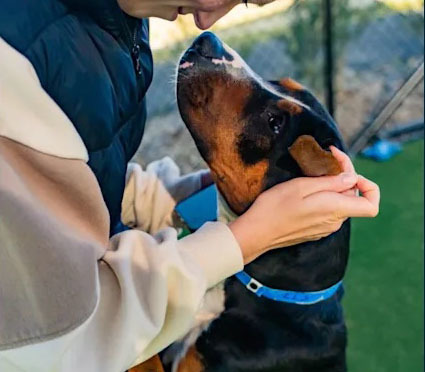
{"points": [[305, 267], [310, 266]]}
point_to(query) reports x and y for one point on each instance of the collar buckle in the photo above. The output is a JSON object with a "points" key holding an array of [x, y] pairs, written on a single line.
{"points": [[254, 285]]}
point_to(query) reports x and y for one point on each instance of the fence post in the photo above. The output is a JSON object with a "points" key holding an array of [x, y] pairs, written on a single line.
{"points": [[328, 39]]}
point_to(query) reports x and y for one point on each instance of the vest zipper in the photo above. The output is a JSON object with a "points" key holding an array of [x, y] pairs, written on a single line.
{"points": [[135, 53], [131, 41]]}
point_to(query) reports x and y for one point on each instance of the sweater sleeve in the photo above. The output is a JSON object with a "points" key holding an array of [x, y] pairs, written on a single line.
{"points": [[150, 195], [70, 299]]}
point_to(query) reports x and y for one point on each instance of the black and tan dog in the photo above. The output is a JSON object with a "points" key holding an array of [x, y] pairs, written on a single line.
{"points": [[253, 135]]}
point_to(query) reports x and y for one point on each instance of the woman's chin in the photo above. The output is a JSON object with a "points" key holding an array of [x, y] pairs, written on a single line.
{"points": [[169, 15], [173, 16], [201, 22]]}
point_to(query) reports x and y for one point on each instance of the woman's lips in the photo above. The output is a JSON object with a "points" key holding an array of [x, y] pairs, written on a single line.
{"points": [[175, 15], [199, 22]]}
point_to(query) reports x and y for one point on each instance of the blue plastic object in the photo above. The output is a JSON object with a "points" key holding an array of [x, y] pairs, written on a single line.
{"points": [[199, 208], [382, 150]]}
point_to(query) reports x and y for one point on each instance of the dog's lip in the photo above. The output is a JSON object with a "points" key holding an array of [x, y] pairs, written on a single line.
{"points": [[189, 56]]}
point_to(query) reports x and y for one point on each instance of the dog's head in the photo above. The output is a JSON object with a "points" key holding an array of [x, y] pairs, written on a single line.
{"points": [[253, 134]]}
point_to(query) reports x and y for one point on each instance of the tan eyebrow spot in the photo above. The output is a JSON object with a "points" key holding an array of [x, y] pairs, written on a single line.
{"points": [[289, 106], [291, 84]]}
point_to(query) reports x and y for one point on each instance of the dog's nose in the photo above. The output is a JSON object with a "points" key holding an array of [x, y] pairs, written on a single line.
{"points": [[208, 45]]}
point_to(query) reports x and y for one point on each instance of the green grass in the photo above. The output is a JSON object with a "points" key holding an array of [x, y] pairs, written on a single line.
{"points": [[384, 282]]}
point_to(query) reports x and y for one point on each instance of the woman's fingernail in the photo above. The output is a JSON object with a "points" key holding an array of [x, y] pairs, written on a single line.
{"points": [[349, 178]]}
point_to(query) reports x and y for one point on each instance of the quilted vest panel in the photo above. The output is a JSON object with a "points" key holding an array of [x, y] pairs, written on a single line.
{"points": [[95, 62]]}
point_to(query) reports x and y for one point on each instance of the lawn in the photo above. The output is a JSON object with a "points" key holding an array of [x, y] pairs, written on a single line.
{"points": [[384, 282]]}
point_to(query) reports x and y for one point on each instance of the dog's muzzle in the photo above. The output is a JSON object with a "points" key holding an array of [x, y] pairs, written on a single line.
{"points": [[206, 48]]}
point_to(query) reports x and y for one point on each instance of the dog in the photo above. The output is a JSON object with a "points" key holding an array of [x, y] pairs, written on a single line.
{"points": [[284, 312]]}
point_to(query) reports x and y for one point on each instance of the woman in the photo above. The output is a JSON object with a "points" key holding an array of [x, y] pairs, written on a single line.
{"points": [[74, 294]]}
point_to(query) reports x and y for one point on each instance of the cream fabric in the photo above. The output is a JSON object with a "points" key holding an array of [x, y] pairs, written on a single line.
{"points": [[70, 299], [162, 181], [44, 291], [28, 115]]}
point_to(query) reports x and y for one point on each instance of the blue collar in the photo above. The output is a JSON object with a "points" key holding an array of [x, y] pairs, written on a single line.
{"points": [[298, 298]]}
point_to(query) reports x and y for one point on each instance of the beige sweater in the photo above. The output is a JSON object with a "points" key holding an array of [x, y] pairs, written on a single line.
{"points": [[70, 299]]}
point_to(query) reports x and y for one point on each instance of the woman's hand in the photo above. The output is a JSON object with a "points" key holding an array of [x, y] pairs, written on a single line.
{"points": [[305, 209], [205, 12]]}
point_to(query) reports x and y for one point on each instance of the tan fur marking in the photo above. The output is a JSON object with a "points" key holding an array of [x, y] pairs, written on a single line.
{"points": [[291, 84], [291, 107], [219, 125], [239, 183], [152, 365], [191, 362], [312, 159]]}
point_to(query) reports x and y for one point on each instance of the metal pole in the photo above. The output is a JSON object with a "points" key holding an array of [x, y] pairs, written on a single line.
{"points": [[373, 127], [329, 56]]}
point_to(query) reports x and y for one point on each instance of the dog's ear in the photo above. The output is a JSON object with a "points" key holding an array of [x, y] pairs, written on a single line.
{"points": [[312, 159], [286, 85], [291, 85]]}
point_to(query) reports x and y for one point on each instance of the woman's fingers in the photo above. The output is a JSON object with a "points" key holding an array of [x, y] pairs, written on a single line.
{"points": [[366, 205], [346, 206], [343, 159], [370, 191], [312, 185], [357, 207], [354, 192]]}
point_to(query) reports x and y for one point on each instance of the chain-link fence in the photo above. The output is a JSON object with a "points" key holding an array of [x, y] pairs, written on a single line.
{"points": [[377, 46]]}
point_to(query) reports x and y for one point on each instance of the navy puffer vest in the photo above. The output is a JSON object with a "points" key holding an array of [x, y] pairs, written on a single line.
{"points": [[95, 62]]}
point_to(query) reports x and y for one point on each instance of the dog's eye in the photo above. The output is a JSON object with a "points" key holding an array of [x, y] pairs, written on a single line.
{"points": [[275, 123]]}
